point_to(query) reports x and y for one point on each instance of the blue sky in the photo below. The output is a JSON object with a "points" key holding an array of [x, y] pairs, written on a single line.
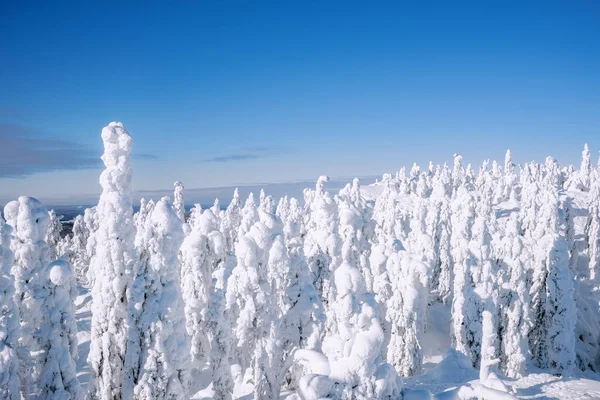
{"points": [[238, 92]]}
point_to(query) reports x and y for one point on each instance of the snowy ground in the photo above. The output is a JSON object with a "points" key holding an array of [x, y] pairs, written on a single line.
{"points": [[441, 374]]}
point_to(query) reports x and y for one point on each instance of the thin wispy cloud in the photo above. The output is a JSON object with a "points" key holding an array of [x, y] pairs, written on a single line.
{"points": [[247, 153], [24, 151], [235, 157], [145, 156]]}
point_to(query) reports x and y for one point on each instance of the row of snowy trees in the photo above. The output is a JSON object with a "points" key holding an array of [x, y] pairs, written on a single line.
{"points": [[329, 298]]}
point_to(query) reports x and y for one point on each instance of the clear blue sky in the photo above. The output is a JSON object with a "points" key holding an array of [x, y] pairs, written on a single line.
{"points": [[240, 92]]}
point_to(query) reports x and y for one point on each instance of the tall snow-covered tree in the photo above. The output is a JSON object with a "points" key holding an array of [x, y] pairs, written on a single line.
{"points": [[157, 358], [219, 333], [514, 301], [321, 244], [113, 266], [53, 235], [465, 310], [586, 167], [592, 229], [178, 201], [58, 378], [406, 310], [552, 338], [10, 329], [202, 254], [231, 221], [248, 289], [29, 220]]}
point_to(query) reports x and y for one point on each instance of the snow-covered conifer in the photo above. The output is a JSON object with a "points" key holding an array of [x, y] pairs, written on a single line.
{"points": [[406, 311], [586, 167], [231, 221], [53, 234], [202, 253], [321, 245], [157, 358], [515, 319], [113, 267], [58, 378], [593, 227], [219, 332], [10, 330], [29, 220], [178, 201]]}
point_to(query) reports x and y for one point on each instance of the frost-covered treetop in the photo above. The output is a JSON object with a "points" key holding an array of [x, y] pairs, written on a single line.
{"points": [[28, 217], [117, 147], [323, 179]]}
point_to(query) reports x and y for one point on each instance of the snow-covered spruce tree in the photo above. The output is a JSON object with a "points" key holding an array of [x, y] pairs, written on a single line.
{"points": [[216, 210], [406, 312], [29, 220], [592, 229], [303, 321], [458, 173], [354, 207], [178, 202], [58, 378], [562, 311], [139, 220], [442, 272], [113, 267], [79, 254], [157, 358], [202, 253], [321, 245], [195, 214], [282, 210], [248, 215], [465, 311], [554, 315], [10, 330], [586, 168], [510, 177], [515, 320], [231, 221], [219, 333], [250, 300], [484, 297], [53, 234], [355, 353]]}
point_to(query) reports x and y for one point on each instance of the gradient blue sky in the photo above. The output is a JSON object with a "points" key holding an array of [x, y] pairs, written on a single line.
{"points": [[243, 92]]}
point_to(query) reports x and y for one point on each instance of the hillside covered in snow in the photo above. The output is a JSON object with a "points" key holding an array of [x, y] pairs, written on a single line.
{"points": [[450, 282]]}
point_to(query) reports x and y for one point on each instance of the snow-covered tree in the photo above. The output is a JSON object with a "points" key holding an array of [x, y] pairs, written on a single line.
{"points": [[29, 220], [465, 311], [586, 167], [178, 202], [113, 266], [592, 229], [248, 288], [202, 254], [58, 378], [157, 358], [231, 221], [53, 235], [10, 330], [514, 299], [406, 309], [79, 253], [552, 338], [219, 333], [321, 244]]}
